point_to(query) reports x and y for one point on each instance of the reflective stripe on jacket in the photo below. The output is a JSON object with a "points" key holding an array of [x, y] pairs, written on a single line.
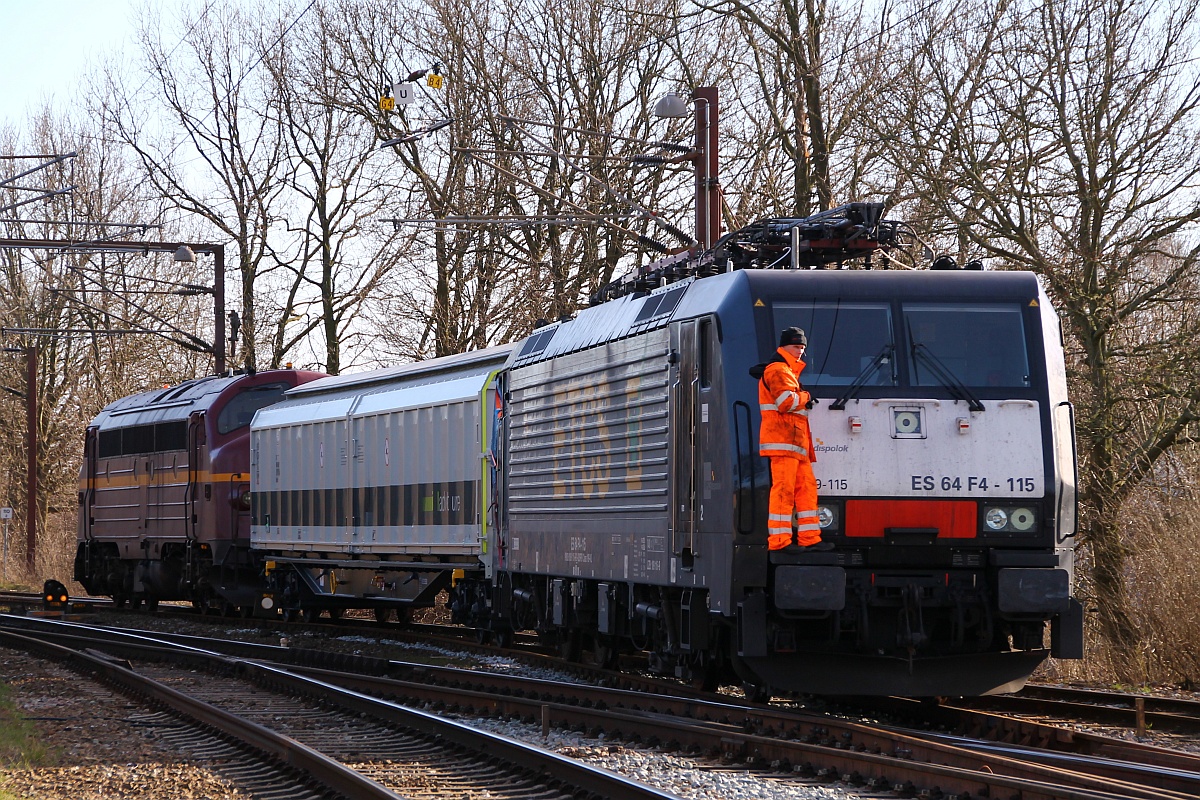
{"points": [[782, 401]]}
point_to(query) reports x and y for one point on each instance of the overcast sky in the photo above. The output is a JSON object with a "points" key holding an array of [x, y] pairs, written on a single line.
{"points": [[46, 45]]}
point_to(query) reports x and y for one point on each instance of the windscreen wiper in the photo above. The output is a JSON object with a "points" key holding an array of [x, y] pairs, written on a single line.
{"points": [[884, 357], [947, 378]]}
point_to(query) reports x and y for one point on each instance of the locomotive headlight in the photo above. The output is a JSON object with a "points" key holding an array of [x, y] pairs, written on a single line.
{"points": [[245, 500], [908, 422], [825, 516], [995, 518], [1022, 519], [1010, 519]]}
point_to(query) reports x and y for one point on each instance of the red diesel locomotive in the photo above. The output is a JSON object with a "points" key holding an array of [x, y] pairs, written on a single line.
{"points": [[164, 492]]}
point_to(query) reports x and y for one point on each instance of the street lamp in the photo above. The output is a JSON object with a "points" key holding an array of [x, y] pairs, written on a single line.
{"points": [[703, 156]]}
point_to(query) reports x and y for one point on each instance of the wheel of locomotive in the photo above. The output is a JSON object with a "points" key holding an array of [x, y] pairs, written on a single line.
{"points": [[310, 614], [706, 675], [570, 646], [383, 615], [483, 636], [335, 614], [151, 605], [606, 653], [135, 603], [119, 603], [504, 637], [291, 614], [756, 693], [204, 601]]}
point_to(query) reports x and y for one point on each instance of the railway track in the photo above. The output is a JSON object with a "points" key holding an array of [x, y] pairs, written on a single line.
{"points": [[1116, 709], [349, 744], [1119, 709], [820, 747]]}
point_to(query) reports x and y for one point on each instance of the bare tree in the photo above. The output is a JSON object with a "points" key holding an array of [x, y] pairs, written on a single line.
{"points": [[532, 98], [598, 72], [69, 304], [205, 141], [428, 181], [1061, 138], [334, 191]]}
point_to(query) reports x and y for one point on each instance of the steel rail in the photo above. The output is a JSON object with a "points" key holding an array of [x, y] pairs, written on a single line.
{"points": [[1110, 708], [335, 776], [1182, 769], [820, 739]]}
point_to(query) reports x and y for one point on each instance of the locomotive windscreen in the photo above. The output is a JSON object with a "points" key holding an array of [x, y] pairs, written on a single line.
{"points": [[982, 345], [843, 340], [239, 411]]}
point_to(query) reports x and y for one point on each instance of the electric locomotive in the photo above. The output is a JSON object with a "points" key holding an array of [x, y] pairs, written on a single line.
{"points": [[164, 492], [635, 499]]}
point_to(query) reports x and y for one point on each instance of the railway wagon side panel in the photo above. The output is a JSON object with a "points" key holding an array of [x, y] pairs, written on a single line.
{"points": [[296, 507], [589, 481], [417, 473]]}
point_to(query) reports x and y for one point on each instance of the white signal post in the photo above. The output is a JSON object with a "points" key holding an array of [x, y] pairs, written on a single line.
{"points": [[6, 514]]}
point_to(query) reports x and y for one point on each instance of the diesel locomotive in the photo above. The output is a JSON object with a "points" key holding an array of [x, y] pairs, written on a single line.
{"points": [[599, 481], [164, 492]]}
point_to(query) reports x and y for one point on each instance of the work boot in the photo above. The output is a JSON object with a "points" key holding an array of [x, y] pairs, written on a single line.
{"points": [[816, 547]]}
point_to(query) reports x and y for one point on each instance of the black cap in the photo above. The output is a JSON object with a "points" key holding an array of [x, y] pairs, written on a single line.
{"points": [[793, 336]]}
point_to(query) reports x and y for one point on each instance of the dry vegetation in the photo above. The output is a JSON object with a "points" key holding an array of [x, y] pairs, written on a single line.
{"points": [[1163, 579], [1162, 537]]}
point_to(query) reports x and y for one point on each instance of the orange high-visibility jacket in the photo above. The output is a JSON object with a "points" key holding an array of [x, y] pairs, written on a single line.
{"points": [[782, 401]]}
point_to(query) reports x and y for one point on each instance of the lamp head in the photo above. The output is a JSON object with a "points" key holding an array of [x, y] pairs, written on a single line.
{"points": [[672, 106]]}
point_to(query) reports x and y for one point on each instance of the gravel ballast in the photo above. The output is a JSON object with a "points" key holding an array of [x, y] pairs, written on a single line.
{"points": [[103, 746]]}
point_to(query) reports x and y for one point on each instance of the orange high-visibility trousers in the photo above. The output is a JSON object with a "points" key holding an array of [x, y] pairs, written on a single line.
{"points": [[793, 497]]}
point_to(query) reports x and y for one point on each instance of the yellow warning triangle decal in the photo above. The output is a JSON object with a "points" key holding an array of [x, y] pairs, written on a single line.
{"points": [[759, 304], [1033, 303]]}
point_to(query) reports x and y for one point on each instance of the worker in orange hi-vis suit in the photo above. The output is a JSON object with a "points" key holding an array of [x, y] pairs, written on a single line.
{"points": [[785, 438]]}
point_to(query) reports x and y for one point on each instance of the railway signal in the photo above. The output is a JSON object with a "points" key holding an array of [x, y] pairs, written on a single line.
{"points": [[54, 596]]}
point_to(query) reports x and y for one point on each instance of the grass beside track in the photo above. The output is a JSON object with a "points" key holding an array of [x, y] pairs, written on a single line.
{"points": [[20, 743]]}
